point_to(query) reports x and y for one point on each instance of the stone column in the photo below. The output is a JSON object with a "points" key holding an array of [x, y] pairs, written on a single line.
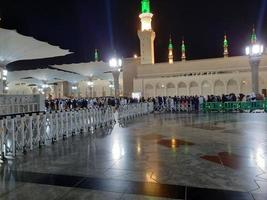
{"points": [[254, 64], [116, 76]]}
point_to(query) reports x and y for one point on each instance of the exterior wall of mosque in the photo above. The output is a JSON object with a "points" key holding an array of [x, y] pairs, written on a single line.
{"points": [[217, 84], [197, 77]]}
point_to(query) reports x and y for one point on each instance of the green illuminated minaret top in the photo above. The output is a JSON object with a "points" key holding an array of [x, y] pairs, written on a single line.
{"points": [[225, 42], [96, 55], [170, 43], [183, 48], [145, 6], [253, 37], [225, 46]]}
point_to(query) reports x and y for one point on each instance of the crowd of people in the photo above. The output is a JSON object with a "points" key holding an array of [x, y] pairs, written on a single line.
{"points": [[176, 103], [76, 103], [194, 103], [233, 97]]}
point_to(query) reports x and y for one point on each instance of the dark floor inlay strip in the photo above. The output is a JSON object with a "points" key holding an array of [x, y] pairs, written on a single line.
{"points": [[110, 185], [212, 194], [129, 187]]}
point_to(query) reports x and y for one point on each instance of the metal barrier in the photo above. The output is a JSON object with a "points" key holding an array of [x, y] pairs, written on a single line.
{"points": [[131, 111], [18, 108], [184, 106], [1, 145], [235, 106], [22, 133]]}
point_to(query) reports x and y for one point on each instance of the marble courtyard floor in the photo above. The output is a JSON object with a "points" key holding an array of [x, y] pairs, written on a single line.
{"points": [[168, 156]]}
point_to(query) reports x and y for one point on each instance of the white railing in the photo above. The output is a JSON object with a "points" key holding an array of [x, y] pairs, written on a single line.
{"points": [[1, 144], [130, 111], [22, 133], [18, 108], [17, 104]]}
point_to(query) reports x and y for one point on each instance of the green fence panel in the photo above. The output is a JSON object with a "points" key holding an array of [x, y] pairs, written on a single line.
{"points": [[234, 106]]}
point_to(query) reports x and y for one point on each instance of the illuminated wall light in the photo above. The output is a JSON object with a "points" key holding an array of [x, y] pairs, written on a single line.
{"points": [[254, 50], [90, 83], [113, 62], [74, 87], [135, 56], [45, 86], [247, 51], [138, 148], [173, 143], [5, 72]]}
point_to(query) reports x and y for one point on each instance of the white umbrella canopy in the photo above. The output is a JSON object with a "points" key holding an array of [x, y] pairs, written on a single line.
{"points": [[40, 76], [14, 47], [95, 69]]}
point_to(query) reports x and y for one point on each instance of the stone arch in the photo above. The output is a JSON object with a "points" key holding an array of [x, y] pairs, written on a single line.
{"points": [[160, 89], [194, 88], [206, 88], [232, 86], [182, 89], [170, 90], [219, 87], [149, 91]]}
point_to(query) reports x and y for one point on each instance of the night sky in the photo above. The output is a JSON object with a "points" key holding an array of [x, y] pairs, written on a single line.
{"points": [[83, 25]]}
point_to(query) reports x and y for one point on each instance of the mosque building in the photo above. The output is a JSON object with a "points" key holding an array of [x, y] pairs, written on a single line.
{"points": [[195, 77], [141, 75]]}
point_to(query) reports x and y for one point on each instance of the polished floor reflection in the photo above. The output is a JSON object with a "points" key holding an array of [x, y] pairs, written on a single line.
{"points": [[167, 156]]}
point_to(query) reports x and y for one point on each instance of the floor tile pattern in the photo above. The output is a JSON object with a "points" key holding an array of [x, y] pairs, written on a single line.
{"points": [[160, 156]]}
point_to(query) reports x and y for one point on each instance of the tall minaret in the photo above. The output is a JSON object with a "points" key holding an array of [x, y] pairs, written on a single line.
{"points": [[225, 47], [170, 56], [253, 37], [96, 56], [183, 51], [146, 34]]}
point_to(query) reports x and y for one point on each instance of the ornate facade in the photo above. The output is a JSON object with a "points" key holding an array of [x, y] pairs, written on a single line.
{"points": [[196, 77]]}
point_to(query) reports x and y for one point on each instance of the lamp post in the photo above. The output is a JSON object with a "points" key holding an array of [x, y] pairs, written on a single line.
{"points": [[254, 51], [116, 64], [4, 78], [91, 85], [74, 89], [111, 88], [45, 87]]}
